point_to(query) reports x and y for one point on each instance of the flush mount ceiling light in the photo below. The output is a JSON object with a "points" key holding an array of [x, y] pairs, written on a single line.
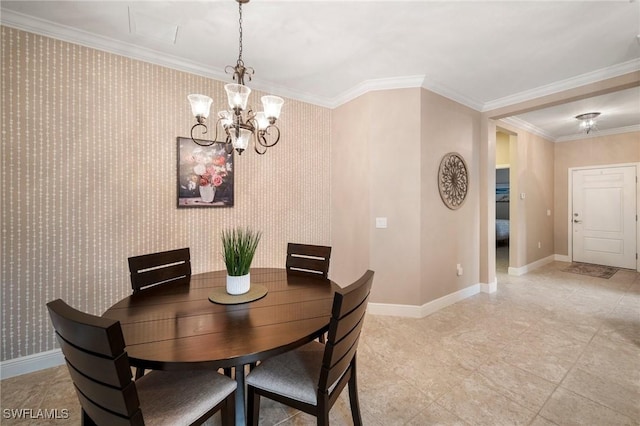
{"points": [[588, 121], [239, 123]]}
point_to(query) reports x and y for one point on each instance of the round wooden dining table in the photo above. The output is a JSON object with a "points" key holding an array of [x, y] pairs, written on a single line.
{"points": [[176, 326]]}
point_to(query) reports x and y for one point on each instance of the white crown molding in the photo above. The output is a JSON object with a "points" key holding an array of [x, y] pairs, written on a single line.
{"points": [[46, 28], [366, 86], [525, 125], [453, 95], [570, 83], [599, 133]]}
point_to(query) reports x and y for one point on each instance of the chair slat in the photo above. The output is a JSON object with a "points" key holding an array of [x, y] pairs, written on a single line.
{"points": [[335, 351], [156, 268], [340, 328], [309, 250], [308, 264], [181, 271], [152, 260], [307, 259], [333, 373], [113, 372], [352, 296], [96, 334], [122, 401], [100, 416]]}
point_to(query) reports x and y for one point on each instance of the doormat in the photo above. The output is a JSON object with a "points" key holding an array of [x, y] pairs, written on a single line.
{"points": [[598, 271]]}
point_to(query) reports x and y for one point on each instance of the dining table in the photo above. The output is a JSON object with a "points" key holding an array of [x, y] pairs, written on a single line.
{"points": [[175, 326]]}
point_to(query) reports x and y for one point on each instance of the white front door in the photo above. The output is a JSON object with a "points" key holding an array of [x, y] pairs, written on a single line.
{"points": [[604, 216]]}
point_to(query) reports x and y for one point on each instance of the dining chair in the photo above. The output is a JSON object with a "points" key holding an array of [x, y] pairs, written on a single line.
{"points": [[308, 260], [94, 350], [311, 378], [160, 268]]}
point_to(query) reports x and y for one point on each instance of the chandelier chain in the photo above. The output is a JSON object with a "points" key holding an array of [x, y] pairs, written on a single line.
{"points": [[240, 31]]}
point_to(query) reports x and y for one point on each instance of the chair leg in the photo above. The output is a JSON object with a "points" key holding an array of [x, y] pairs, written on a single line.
{"points": [[353, 395], [227, 372], [253, 406], [228, 411], [139, 373], [322, 339]]}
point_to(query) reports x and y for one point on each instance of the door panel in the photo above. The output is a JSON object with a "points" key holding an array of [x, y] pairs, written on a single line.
{"points": [[604, 216]]}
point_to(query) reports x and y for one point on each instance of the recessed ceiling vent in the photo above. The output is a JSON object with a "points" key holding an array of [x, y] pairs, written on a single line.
{"points": [[143, 25]]}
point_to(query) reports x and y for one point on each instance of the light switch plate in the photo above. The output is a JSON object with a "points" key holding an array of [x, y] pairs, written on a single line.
{"points": [[381, 222]]}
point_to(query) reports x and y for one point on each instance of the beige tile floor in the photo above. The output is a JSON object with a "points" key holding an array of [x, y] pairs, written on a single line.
{"points": [[548, 348]]}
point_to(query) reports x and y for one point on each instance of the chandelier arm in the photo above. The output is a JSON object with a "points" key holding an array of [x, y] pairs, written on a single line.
{"points": [[263, 136], [208, 143], [206, 129], [257, 143]]}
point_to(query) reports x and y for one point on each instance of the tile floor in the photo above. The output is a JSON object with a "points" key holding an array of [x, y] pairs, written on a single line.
{"points": [[548, 348]]}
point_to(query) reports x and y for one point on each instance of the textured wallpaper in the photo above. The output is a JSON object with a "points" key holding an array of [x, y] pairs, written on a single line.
{"points": [[89, 178]]}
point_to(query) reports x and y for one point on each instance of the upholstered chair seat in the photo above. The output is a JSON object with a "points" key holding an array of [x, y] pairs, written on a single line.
{"points": [[170, 398]]}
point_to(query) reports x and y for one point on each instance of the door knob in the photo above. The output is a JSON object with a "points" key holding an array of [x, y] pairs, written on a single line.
{"points": [[577, 221]]}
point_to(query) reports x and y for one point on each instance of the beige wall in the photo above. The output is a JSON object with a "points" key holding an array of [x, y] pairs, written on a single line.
{"points": [[531, 172], [376, 173], [89, 178], [448, 236], [502, 149], [598, 151], [393, 163], [350, 204], [395, 148]]}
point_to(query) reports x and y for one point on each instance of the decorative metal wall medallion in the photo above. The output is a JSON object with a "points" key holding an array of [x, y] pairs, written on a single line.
{"points": [[453, 180]]}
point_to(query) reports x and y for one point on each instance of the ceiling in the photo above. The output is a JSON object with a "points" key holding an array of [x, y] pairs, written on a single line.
{"points": [[485, 55]]}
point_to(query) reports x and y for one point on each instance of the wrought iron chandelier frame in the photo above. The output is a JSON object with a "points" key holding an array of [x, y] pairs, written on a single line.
{"points": [[264, 132]]}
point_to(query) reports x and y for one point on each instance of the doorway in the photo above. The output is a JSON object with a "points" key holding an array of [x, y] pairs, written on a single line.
{"points": [[603, 216]]}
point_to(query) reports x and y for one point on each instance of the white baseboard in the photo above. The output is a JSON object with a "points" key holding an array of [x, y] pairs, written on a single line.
{"points": [[531, 266], [561, 258], [490, 287], [30, 363], [414, 311]]}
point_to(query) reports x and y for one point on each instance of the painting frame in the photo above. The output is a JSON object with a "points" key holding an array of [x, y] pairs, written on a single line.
{"points": [[205, 174]]}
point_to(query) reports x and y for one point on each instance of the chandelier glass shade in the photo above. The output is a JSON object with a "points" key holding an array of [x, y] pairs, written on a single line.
{"points": [[241, 125], [588, 121]]}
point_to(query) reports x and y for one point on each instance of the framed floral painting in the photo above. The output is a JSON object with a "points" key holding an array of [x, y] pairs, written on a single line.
{"points": [[205, 175]]}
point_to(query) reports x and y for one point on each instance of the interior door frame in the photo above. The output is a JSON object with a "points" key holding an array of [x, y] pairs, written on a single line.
{"points": [[570, 204]]}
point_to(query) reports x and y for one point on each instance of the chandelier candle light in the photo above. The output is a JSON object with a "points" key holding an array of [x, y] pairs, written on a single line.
{"points": [[239, 124]]}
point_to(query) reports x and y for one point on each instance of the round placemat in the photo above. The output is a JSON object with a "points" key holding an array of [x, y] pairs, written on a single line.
{"points": [[220, 296]]}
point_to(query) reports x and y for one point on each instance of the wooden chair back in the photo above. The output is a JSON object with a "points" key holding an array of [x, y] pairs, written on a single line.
{"points": [[160, 268], [347, 317], [94, 351], [308, 260]]}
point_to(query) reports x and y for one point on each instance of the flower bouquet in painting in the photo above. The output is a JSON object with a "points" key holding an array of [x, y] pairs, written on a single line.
{"points": [[205, 175]]}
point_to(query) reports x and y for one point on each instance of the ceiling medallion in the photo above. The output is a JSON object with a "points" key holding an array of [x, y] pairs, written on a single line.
{"points": [[453, 180]]}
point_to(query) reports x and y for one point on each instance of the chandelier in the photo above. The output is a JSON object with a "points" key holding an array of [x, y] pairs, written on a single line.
{"points": [[588, 121], [241, 125]]}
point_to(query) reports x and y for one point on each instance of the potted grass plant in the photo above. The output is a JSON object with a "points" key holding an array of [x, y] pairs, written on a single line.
{"points": [[238, 248]]}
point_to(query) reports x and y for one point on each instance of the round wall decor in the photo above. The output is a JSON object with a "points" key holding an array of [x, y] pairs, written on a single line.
{"points": [[453, 180]]}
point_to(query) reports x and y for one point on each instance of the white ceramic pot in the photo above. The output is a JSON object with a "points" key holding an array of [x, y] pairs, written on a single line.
{"points": [[238, 285]]}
